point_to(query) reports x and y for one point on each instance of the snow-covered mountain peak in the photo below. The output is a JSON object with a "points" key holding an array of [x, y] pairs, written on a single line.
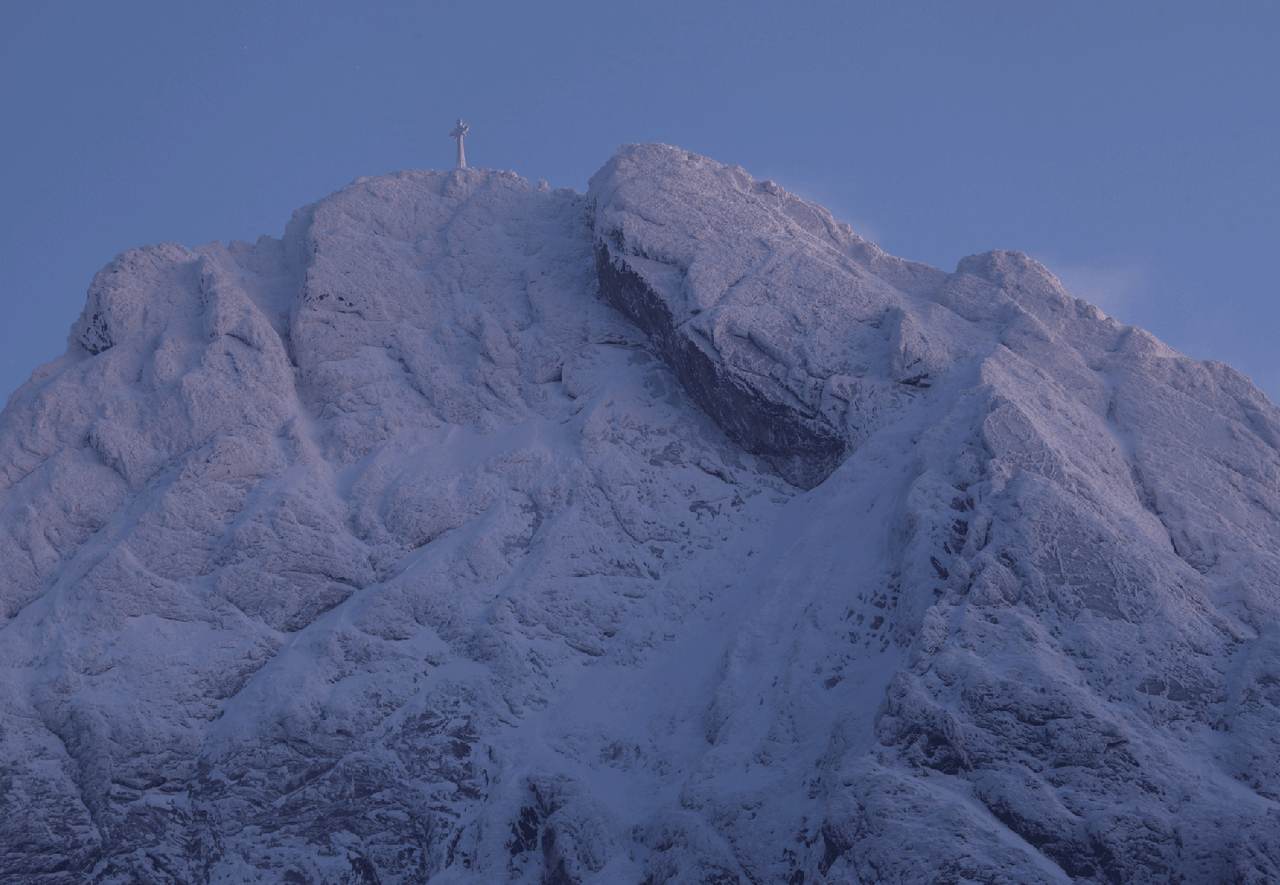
{"points": [[671, 533]]}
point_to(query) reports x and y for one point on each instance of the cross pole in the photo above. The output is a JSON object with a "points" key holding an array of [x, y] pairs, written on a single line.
{"points": [[458, 132]]}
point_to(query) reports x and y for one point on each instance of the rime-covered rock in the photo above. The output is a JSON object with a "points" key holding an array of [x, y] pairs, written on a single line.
{"points": [[766, 309], [479, 532]]}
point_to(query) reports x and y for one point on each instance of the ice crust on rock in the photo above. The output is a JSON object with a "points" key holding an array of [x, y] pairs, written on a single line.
{"points": [[767, 310], [672, 533]]}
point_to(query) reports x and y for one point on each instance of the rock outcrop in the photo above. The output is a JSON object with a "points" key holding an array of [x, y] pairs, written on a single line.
{"points": [[766, 309]]}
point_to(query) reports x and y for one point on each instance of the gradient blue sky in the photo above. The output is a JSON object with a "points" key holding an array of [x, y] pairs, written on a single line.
{"points": [[1131, 146]]}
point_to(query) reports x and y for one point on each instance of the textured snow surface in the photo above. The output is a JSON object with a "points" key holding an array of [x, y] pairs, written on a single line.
{"points": [[476, 532]]}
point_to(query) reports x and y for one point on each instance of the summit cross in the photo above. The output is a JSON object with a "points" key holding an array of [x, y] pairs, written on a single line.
{"points": [[458, 132]]}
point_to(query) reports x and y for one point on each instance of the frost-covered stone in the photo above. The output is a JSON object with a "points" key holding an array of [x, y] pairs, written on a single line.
{"points": [[765, 308], [390, 551]]}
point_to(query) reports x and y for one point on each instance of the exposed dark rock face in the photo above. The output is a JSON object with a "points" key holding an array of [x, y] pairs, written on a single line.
{"points": [[800, 444]]}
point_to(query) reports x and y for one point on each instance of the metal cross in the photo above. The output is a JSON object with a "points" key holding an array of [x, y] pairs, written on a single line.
{"points": [[458, 132]]}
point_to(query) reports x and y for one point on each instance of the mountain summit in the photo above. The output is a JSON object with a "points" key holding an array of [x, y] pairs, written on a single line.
{"points": [[477, 532]]}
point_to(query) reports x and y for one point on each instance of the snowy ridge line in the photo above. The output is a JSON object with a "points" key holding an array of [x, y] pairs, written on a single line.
{"points": [[669, 534]]}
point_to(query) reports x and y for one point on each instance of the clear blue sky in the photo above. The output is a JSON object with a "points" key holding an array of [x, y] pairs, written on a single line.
{"points": [[1134, 147]]}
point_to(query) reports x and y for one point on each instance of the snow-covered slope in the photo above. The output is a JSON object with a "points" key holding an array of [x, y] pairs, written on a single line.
{"points": [[477, 532]]}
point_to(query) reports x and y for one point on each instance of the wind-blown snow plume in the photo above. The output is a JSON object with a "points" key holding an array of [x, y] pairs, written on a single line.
{"points": [[673, 533]]}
